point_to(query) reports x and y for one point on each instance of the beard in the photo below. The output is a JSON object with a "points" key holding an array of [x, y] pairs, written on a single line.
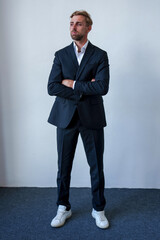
{"points": [[77, 37]]}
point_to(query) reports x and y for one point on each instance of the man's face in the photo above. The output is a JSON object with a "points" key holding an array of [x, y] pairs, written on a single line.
{"points": [[78, 28]]}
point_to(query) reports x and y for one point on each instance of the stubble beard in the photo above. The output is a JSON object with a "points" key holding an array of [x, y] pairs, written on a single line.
{"points": [[77, 37]]}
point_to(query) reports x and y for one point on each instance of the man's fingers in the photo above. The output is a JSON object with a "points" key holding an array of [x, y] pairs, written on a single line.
{"points": [[67, 82]]}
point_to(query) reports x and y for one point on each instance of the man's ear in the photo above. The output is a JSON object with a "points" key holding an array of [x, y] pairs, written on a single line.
{"points": [[89, 28]]}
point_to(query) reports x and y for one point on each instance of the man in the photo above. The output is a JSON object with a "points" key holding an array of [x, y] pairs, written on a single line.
{"points": [[79, 77]]}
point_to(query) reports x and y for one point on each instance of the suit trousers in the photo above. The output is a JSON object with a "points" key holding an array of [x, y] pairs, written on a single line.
{"points": [[93, 141]]}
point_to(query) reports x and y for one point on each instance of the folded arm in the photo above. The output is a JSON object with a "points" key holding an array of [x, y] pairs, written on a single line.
{"points": [[101, 84], [55, 85]]}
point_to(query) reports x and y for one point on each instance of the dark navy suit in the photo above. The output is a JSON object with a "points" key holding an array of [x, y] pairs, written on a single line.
{"points": [[79, 110]]}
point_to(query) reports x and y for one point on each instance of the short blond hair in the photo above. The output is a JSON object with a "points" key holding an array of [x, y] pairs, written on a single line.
{"points": [[87, 16]]}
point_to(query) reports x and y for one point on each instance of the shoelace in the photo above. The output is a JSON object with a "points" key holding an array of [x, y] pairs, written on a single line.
{"points": [[59, 215], [101, 217]]}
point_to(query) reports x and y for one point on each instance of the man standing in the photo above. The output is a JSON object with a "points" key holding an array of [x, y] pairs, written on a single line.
{"points": [[79, 77]]}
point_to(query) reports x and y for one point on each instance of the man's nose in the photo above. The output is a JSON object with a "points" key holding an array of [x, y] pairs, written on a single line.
{"points": [[74, 27]]}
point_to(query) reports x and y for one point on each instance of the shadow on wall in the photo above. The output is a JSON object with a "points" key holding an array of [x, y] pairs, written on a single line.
{"points": [[2, 153], [4, 94]]}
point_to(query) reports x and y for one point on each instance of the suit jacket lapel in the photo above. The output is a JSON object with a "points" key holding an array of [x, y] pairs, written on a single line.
{"points": [[72, 55], [88, 53]]}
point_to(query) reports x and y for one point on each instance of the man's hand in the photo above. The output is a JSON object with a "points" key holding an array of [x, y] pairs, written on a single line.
{"points": [[93, 80], [68, 83]]}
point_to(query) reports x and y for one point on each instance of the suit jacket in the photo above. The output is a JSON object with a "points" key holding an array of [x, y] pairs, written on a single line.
{"points": [[86, 96]]}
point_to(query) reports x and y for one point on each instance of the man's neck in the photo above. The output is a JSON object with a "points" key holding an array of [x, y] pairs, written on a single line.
{"points": [[80, 44]]}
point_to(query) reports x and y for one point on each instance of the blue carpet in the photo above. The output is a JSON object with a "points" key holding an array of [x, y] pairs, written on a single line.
{"points": [[26, 213]]}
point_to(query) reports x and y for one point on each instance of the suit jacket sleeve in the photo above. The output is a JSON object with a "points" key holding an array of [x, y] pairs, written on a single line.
{"points": [[55, 88], [101, 84]]}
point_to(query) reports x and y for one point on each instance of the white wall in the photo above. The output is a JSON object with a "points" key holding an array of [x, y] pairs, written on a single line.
{"points": [[31, 31]]}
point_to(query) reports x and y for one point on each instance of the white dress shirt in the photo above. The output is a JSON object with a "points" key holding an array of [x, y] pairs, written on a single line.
{"points": [[80, 54]]}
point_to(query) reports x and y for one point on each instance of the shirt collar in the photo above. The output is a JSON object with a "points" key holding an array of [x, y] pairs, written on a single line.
{"points": [[83, 49]]}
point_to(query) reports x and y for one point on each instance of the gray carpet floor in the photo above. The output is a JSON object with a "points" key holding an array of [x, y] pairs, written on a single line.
{"points": [[26, 213]]}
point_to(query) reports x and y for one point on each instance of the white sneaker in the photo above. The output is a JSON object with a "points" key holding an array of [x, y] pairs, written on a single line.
{"points": [[101, 220], [61, 217]]}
